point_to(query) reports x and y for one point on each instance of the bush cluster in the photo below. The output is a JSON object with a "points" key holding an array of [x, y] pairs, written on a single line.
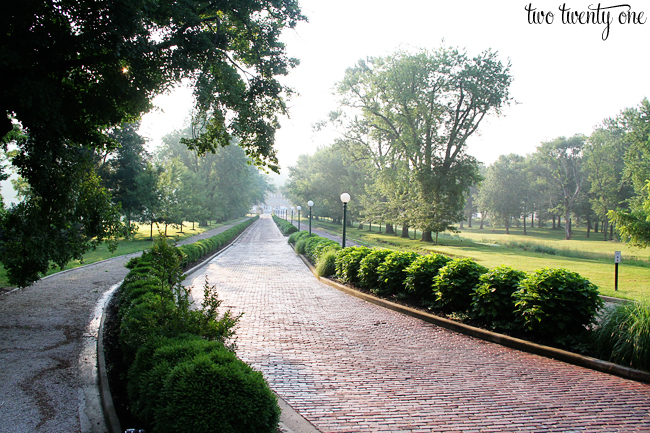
{"points": [[183, 374], [549, 304], [285, 226], [194, 251], [503, 298]]}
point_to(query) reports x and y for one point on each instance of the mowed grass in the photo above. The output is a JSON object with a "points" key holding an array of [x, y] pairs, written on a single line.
{"points": [[140, 241], [592, 257]]}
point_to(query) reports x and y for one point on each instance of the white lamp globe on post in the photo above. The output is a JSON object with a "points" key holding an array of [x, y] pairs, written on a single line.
{"points": [[298, 207], [310, 204], [345, 198]]}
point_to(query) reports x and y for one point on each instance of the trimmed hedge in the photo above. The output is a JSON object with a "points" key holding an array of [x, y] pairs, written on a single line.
{"points": [[182, 375], [391, 276], [492, 301], [296, 236], [348, 262], [419, 276], [455, 283], [368, 278], [315, 246], [556, 302], [285, 226]]}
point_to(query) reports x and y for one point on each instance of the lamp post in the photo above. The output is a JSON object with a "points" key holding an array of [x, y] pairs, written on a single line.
{"points": [[310, 204], [345, 198], [299, 207], [291, 214]]}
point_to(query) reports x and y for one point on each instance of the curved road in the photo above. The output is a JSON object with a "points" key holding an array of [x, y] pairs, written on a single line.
{"points": [[350, 366]]}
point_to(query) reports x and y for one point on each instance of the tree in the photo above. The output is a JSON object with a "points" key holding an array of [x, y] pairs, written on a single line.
{"points": [[422, 108], [604, 165], [121, 168], [79, 68], [323, 177], [503, 192], [561, 161]]}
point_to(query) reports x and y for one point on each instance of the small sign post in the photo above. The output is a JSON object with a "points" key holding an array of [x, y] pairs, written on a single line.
{"points": [[617, 260]]}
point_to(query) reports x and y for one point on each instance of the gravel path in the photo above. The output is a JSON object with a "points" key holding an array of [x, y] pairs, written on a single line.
{"points": [[350, 366], [45, 331]]}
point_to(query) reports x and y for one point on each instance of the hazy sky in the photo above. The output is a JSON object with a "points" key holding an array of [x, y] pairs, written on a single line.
{"points": [[567, 79]]}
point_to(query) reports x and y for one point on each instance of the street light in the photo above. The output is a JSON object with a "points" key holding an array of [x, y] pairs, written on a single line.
{"points": [[310, 204], [345, 198], [291, 214], [299, 217]]}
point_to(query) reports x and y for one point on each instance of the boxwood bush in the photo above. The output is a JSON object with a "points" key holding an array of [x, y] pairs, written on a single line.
{"points": [[492, 301], [296, 236], [285, 226], [315, 246], [390, 274], [419, 277], [182, 375], [454, 285], [348, 262], [368, 268], [556, 302]]}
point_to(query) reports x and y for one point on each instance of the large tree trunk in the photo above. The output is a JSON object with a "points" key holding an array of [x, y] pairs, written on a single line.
{"points": [[461, 225], [469, 222], [588, 226], [611, 231], [426, 236], [507, 226], [405, 231], [553, 222], [567, 226], [389, 229], [604, 229], [151, 232], [525, 221]]}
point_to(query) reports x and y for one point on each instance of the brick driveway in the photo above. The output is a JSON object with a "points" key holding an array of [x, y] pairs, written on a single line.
{"points": [[350, 366]]}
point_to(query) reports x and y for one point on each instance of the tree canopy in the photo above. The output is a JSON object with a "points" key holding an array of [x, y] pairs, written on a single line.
{"points": [[75, 69]]}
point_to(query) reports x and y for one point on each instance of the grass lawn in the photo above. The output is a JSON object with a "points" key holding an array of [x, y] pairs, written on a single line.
{"points": [[139, 242], [590, 257]]}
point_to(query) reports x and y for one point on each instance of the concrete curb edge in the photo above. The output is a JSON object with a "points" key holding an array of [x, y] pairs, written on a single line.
{"points": [[504, 340]]}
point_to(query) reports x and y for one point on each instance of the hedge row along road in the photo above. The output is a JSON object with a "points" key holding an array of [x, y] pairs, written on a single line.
{"points": [[350, 366], [43, 329]]}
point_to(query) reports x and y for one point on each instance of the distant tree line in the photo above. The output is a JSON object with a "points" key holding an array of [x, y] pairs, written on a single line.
{"points": [[404, 121]]}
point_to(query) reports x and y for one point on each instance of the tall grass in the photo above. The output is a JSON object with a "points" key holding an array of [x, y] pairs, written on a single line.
{"points": [[624, 335]]}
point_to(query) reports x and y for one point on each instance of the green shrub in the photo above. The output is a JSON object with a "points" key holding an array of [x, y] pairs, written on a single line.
{"points": [[300, 246], [556, 302], [316, 245], [368, 278], [455, 283], [390, 274], [492, 301], [326, 264], [348, 262], [624, 335], [285, 226], [216, 392], [419, 277]]}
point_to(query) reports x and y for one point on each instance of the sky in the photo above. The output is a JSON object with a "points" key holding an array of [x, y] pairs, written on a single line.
{"points": [[567, 79]]}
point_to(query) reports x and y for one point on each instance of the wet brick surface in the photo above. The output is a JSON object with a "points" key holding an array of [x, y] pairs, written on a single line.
{"points": [[350, 366]]}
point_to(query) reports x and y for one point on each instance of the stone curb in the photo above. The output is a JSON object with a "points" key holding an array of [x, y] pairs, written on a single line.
{"points": [[504, 340]]}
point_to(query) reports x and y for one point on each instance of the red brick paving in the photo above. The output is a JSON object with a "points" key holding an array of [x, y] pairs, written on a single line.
{"points": [[350, 366]]}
